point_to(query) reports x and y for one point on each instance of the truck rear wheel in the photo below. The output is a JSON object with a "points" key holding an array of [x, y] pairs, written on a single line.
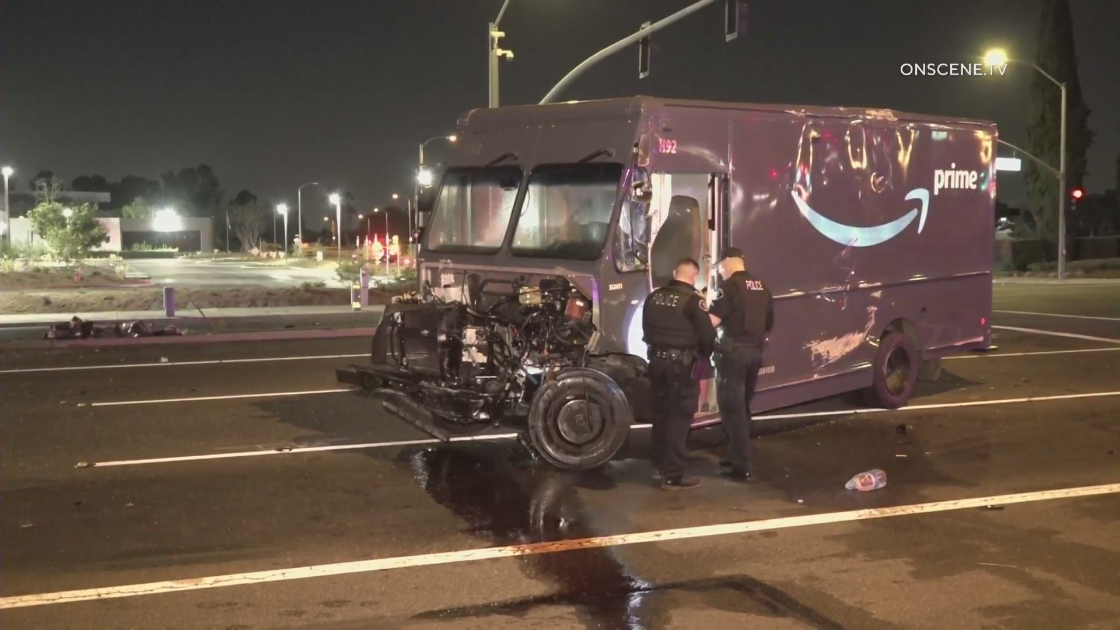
{"points": [[895, 371], [579, 420]]}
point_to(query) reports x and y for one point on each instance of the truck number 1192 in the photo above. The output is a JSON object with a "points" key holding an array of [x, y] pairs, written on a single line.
{"points": [[665, 145]]}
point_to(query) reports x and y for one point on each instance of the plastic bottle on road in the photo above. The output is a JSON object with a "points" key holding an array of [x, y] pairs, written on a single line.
{"points": [[867, 481]]}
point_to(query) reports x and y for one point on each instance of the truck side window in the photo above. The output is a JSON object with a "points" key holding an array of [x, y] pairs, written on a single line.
{"points": [[631, 247]]}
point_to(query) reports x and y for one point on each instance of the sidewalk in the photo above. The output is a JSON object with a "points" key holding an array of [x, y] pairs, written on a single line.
{"points": [[46, 319]]}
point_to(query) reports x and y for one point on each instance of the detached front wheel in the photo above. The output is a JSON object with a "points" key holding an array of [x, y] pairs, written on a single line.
{"points": [[579, 420]]}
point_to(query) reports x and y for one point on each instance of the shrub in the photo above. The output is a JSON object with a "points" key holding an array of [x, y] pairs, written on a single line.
{"points": [[315, 284]]}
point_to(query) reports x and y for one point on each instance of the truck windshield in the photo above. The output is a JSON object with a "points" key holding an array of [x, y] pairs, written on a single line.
{"points": [[567, 211], [473, 209]]}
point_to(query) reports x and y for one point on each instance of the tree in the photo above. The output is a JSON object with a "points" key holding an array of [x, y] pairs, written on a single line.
{"points": [[47, 189], [1057, 57], [248, 220], [193, 190], [68, 237], [138, 209], [90, 183], [43, 175], [130, 187]]}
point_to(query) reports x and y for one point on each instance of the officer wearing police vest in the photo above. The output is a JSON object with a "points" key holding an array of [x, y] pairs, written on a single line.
{"points": [[744, 313], [679, 333]]}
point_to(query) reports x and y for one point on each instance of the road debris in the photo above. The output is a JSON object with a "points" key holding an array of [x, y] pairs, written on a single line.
{"points": [[992, 508], [78, 328], [25, 524], [904, 429], [868, 481]]}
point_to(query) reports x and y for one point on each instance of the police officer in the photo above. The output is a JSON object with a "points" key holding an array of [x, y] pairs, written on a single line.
{"points": [[744, 312], [676, 327]]}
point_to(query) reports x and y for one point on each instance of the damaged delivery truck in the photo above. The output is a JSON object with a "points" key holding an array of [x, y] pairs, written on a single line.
{"points": [[549, 224]]}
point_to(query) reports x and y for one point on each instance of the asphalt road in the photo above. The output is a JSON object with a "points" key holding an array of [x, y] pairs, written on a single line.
{"points": [[260, 466], [192, 273]]}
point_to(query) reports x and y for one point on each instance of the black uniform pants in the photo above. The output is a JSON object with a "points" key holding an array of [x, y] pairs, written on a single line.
{"points": [[674, 403], [738, 367]]}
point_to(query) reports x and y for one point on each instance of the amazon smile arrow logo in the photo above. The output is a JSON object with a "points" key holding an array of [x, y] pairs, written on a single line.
{"points": [[869, 236]]}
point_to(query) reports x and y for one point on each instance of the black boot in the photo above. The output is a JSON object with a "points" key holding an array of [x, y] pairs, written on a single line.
{"points": [[678, 483]]}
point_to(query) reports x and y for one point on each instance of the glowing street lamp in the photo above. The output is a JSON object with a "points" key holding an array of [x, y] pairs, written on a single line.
{"points": [[336, 199], [998, 57]]}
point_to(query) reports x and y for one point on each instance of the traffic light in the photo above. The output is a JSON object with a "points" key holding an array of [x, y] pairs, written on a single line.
{"points": [[1075, 195], [734, 18], [643, 54]]}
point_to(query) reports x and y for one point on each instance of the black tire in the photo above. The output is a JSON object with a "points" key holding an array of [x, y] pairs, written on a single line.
{"points": [[895, 372], [580, 420], [930, 371]]}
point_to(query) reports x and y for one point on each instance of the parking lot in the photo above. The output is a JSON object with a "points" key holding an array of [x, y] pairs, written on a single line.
{"points": [[239, 486]]}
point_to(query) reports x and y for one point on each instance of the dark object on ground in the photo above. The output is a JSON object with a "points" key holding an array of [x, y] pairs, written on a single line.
{"points": [[903, 429], [78, 328]]}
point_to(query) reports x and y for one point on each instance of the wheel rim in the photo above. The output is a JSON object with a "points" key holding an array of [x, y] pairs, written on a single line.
{"points": [[579, 422], [897, 371]]}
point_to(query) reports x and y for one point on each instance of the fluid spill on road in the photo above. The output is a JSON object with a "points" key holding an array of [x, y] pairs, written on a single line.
{"points": [[502, 497]]}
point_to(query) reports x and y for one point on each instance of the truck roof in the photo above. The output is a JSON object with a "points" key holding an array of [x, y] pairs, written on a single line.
{"points": [[635, 106]]}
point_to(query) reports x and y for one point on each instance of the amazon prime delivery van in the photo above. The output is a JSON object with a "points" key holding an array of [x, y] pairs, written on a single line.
{"points": [[873, 229]]}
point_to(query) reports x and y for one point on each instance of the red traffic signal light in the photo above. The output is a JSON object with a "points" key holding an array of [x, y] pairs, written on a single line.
{"points": [[1077, 193]]}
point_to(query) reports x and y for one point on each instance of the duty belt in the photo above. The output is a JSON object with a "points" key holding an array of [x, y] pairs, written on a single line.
{"points": [[673, 354]]}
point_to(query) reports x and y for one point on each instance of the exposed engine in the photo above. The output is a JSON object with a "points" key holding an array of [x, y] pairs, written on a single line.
{"points": [[475, 362]]}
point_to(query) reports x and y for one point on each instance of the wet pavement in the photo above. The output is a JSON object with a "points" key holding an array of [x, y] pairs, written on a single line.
{"points": [[117, 521]]}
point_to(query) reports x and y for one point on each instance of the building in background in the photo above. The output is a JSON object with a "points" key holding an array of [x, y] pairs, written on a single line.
{"points": [[189, 234]]}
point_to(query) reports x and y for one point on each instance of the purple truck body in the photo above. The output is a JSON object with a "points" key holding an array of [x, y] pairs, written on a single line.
{"points": [[860, 221]]}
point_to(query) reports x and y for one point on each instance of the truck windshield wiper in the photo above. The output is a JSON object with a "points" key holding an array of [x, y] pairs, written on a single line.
{"points": [[606, 152], [502, 158]]}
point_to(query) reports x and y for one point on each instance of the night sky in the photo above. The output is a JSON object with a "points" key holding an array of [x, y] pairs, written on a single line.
{"points": [[275, 93]]}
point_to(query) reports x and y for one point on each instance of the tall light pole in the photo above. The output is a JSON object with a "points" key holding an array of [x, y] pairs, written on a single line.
{"points": [[997, 57], [7, 171], [336, 199], [386, 237], [496, 53], [283, 209], [299, 209], [424, 177]]}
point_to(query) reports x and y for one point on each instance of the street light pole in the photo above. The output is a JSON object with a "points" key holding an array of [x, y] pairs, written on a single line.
{"points": [[299, 209], [336, 199], [283, 209], [494, 52], [1061, 187], [7, 171], [998, 57]]}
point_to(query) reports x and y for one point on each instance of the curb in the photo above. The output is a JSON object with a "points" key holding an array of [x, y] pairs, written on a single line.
{"points": [[125, 342]]}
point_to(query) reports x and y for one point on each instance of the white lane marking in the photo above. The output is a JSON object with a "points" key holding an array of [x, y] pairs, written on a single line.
{"points": [[117, 366], [1100, 319], [181, 363], [967, 403], [529, 549], [509, 436], [1054, 333], [996, 355], [228, 397]]}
